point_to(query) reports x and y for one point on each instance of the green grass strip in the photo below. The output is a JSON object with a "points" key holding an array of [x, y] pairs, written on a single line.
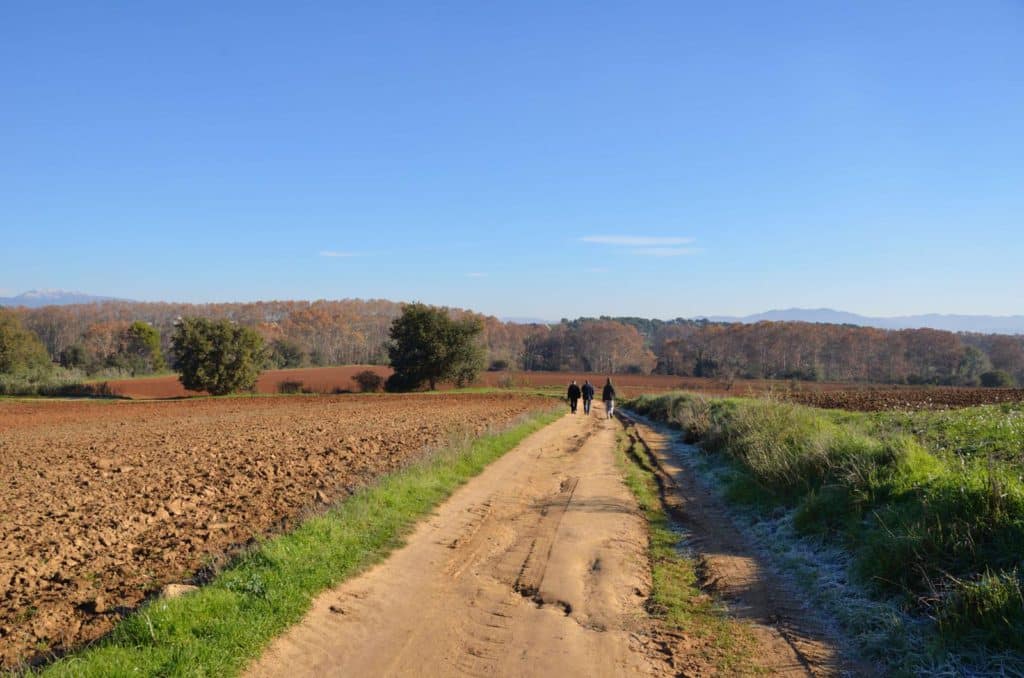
{"points": [[219, 629], [676, 597]]}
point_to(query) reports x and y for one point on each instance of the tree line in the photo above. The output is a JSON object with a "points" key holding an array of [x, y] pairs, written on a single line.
{"points": [[111, 338]]}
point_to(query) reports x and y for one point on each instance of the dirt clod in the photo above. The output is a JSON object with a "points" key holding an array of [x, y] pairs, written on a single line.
{"points": [[170, 591]]}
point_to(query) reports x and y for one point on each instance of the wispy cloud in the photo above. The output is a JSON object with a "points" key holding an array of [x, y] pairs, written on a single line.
{"points": [[635, 240], [666, 251], [476, 274], [334, 254]]}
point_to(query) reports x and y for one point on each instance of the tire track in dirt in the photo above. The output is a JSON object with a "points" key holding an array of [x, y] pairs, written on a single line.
{"points": [[536, 567], [790, 641]]}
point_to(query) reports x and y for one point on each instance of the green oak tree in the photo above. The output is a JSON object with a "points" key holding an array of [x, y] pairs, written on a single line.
{"points": [[217, 356], [427, 347]]}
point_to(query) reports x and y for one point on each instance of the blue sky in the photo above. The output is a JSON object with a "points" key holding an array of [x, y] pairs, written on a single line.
{"points": [[542, 159]]}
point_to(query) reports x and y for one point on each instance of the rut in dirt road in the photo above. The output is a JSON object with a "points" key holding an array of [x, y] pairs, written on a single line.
{"points": [[790, 640], [536, 567], [540, 567]]}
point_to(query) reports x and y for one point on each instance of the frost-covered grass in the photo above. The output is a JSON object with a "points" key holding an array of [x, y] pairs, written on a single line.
{"points": [[923, 512]]}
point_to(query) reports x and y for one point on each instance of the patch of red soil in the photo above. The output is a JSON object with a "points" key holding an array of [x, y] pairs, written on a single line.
{"points": [[313, 379], [936, 398]]}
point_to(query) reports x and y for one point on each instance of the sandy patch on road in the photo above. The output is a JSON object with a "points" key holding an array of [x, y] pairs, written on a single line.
{"points": [[537, 567]]}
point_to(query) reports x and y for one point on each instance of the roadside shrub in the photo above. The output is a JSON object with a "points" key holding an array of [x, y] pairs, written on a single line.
{"points": [[693, 416], [369, 381], [290, 387], [996, 379], [785, 446]]}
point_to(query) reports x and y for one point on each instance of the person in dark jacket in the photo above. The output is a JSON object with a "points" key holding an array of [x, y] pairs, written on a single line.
{"points": [[608, 396], [574, 396], [588, 396]]}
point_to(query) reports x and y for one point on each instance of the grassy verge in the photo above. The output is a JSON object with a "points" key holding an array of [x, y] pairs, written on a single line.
{"points": [[676, 597], [929, 506], [217, 630]]}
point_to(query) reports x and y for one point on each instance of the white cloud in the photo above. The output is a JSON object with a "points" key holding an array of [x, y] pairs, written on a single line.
{"points": [[476, 274], [666, 251], [331, 253], [635, 240]]}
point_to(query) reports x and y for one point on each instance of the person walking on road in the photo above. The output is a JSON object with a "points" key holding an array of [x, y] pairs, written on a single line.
{"points": [[574, 396], [608, 396], [588, 396]]}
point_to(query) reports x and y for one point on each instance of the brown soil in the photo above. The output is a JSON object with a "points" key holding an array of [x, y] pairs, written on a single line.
{"points": [[103, 502], [936, 398], [537, 567], [789, 640]]}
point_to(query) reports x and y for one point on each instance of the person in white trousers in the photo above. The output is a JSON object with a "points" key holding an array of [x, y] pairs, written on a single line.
{"points": [[608, 396]]}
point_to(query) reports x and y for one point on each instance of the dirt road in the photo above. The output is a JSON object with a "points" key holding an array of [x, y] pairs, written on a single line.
{"points": [[538, 567]]}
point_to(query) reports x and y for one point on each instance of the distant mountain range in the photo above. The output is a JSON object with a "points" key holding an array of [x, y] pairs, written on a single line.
{"points": [[37, 298], [987, 324]]}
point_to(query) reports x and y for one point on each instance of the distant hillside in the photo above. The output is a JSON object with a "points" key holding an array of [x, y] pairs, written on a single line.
{"points": [[39, 298], [986, 324]]}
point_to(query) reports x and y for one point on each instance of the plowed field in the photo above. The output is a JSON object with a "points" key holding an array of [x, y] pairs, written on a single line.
{"points": [[878, 399], [103, 502]]}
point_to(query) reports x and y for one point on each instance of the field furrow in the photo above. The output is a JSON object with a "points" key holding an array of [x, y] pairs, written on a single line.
{"points": [[103, 503]]}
